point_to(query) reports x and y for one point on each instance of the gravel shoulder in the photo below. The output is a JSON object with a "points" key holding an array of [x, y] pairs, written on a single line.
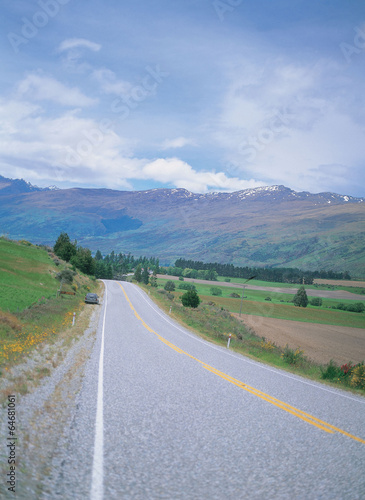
{"points": [[319, 342]]}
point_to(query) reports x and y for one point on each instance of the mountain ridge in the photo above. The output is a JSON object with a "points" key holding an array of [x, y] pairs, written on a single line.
{"points": [[271, 226]]}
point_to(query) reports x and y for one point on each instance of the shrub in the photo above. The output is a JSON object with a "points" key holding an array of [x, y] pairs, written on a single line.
{"points": [[358, 307], [26, 243], [316, 301], [66, 275], [186, 286], [215, 290], [234, 295], [190, 299], [341, 306], [292, 357], [181, 278], [347, 368], [358, 376], [268, 298], [331, 371], [169, 286]]}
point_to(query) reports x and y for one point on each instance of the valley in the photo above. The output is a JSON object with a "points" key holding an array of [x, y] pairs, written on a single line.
{"points": [[267, 227]]}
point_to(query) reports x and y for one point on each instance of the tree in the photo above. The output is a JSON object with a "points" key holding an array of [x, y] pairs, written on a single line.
{"points": [[153, 281], [138, 273], [170, 286], [190, 299], [84, 261], [98, 255], [300, 298], [145, 275], [63, 247]]}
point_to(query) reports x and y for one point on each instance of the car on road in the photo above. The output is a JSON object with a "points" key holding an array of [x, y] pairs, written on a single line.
{"points": [[92, 298]]}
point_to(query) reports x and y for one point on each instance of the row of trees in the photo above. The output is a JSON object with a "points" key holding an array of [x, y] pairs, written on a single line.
{"points": [[111, 266], [278, 275], [116, 265]]}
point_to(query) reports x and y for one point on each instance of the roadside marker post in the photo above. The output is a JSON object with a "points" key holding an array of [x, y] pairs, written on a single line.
{"points": [[229, 340], [73, 319]]}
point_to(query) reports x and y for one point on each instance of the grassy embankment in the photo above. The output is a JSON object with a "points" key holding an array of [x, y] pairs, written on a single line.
{"points": [[212, 320], [32, 312]]}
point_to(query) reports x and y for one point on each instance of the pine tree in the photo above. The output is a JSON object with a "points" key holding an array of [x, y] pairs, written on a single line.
{"points": [[145, 275], [138, 273], [300, 298]]}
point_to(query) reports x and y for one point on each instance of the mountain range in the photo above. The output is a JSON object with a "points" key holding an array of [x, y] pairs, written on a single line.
{"points": [[270, 226]]}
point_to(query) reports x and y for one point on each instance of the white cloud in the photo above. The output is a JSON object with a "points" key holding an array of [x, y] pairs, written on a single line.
{"points": [[182, 175], [77, 150], [178, 142], [109, 82], [73, 43], [44, 88], [281, 124]]}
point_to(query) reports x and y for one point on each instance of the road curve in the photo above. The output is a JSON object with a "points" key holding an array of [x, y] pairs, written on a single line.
{"points": [[163, 414]]}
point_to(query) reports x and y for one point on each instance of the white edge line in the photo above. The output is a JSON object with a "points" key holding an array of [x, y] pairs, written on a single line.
{"points": [[247, 360], [98, 459]]}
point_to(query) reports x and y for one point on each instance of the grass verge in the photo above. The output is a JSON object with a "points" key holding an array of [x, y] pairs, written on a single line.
{"points": [[33, 317], [214, 322]]}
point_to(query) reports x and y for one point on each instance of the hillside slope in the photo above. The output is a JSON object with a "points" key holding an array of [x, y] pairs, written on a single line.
{"points": [[271, 226]]}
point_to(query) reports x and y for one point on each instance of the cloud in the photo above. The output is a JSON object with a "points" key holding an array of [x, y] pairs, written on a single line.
{"points": [[80, 150], [178, 142], [181, 175], [109, 82], [283, 122], [44, 88], [73, 43]]}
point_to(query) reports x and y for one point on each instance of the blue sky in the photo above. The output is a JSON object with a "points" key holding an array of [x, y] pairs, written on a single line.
{"points": [[207, 95]]}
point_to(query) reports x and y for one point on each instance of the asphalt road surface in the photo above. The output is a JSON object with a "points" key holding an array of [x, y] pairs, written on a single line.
{"points": [[163, 414]]}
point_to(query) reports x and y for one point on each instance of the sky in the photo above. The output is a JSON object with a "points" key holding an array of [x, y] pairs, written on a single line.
{"points": [[206, 95]]}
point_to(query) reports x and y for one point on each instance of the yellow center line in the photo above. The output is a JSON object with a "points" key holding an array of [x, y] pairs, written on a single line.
{"points": [[266, 397]]}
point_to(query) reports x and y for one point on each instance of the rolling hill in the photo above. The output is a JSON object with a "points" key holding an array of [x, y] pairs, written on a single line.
{"points": [[269, 226]]}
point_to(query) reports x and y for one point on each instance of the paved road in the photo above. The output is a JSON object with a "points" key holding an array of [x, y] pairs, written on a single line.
{"points": [[165, 415], [311, 292]]}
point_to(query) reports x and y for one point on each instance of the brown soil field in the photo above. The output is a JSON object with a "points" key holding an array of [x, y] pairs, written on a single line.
{"points": [[321, 343]]}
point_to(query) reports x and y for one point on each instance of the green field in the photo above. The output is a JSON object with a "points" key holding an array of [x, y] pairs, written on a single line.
{"points": [[27, 274], [31, 311], [240, 281], [280, 305]]}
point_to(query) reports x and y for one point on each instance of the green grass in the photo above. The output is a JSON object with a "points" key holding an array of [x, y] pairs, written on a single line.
{"points": [[240, 281], [27, 273], [214, 323], [30, 311], [279, 307]]}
